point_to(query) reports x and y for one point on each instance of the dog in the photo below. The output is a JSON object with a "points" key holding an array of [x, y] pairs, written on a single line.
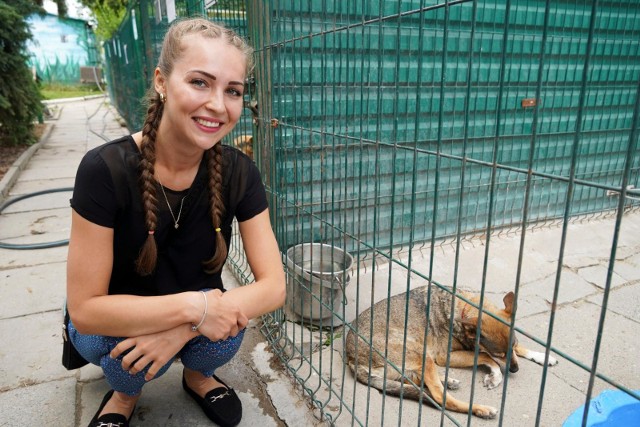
{"points": [[407, 312], [245, 144]]}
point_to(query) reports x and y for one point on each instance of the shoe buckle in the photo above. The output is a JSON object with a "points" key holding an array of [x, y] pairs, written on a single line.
{"points": [[220, 396], [109, 424]]}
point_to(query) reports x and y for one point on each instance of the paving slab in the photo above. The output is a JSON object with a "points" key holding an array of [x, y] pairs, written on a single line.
{"points": [[575, 334], [37, 222], [33, 352], [598, 274], [33, 289], [28, 187], [570, 288], [623, 301], [45, 404], [24, 258]]}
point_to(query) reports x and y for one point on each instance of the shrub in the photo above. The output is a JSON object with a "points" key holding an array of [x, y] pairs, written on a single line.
{"points": [[19, 96]]}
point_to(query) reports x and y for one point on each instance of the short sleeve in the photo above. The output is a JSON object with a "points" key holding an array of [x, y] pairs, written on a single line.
{"points": [[93, 192], [254, 199]]}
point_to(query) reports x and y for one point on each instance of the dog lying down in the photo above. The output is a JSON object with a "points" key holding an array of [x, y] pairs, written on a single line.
{"points": [[494, 340]]}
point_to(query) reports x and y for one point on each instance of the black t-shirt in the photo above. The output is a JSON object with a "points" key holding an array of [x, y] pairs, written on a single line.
{"points": [[107, 193]]}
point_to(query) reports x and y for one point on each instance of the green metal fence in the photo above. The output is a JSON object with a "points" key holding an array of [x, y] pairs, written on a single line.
{"points": [[392, 129], [373, 98]]}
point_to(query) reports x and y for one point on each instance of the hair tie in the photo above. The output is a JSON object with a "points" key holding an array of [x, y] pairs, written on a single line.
{"points": [[151, 232], [218, 230]]}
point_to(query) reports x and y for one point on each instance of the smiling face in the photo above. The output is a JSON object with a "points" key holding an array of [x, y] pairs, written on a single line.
{"points": [[204, 92]]}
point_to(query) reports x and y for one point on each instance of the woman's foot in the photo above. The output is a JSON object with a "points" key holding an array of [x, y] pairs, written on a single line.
{"points": [[200, 384], [116, 409], [120, 403], [218, 401]]}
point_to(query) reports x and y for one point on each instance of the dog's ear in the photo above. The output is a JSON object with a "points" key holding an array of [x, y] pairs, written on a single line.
{"points": [[509, 303], [468, 321]]}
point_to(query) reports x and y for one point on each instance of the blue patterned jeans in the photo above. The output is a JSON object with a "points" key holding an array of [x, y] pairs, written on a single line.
{"points": [[199, 354]]}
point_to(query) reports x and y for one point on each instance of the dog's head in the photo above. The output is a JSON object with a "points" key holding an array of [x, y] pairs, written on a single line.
{"points": [[494, 334], [245, 144]]}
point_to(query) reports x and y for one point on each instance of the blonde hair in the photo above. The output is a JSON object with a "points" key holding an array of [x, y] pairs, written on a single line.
{"points": [[172, 49], [172, 45]]}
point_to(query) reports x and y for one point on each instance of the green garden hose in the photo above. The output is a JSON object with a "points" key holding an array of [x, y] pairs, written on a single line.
{"points": [[43, 245]]}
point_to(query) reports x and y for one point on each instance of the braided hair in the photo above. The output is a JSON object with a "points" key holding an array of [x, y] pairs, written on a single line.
{"points": [[171, 51]]}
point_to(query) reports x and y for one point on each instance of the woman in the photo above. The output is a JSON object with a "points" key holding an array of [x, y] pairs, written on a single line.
{"points": [[151, 224]]}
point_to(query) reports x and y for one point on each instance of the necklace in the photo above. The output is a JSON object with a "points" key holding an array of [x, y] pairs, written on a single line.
{"points": [[166, 199]]}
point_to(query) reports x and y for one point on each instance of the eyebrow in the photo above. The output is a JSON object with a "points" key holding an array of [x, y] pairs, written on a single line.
{"points": [[212, 77]]}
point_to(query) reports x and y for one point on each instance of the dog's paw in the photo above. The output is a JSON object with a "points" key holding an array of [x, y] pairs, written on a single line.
{"points": [[539, 358], [493, 379], [483, 411], [452, 384]]}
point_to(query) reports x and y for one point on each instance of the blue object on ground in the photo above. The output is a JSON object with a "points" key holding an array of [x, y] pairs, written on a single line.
{"points": [[612, 408]]}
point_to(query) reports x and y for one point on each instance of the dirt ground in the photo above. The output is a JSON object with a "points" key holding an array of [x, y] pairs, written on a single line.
{"points": [[10, 153]]}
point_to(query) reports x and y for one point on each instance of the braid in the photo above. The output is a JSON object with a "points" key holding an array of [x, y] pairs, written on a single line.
{"points": [[147, 258], [214, 166]]}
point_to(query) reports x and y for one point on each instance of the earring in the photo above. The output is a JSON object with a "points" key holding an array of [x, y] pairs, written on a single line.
{"points": [[162, 98]]}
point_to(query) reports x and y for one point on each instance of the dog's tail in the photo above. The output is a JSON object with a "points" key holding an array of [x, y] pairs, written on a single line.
{"points": [[391, 384]]}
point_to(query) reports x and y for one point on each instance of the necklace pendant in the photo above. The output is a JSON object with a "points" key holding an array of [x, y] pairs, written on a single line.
{"points": [[166, 199]]}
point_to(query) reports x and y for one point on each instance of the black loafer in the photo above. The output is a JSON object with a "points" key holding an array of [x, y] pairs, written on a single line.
{"points": [[221, 405], [114, 420]]}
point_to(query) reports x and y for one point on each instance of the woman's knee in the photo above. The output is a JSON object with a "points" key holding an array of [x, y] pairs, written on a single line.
{"points": [[92, 347], [203, 355], [121, 380], [97, 350]]}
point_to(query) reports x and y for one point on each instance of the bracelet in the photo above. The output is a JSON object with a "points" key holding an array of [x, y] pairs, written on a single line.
{"points": [[204, 314]]}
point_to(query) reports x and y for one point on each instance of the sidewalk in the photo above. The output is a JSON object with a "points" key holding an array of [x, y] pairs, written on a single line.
{"points": [[34, 387]]}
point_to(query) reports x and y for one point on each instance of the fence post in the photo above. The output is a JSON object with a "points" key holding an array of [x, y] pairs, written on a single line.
{"points": [[259, 30], [195, 8]]}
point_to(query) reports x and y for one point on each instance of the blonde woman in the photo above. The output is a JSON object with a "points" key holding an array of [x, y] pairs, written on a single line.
{"points": [[151, 225]]}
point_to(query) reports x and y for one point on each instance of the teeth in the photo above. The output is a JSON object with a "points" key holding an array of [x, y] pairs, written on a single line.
{"points": [[208, 123]]}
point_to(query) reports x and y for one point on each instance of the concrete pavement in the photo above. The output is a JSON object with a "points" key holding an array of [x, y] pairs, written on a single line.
{"points": [[34, 387]]}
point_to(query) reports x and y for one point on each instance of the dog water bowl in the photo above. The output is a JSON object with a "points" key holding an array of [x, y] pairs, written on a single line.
{"points": [[318, 275], [612, 408]]}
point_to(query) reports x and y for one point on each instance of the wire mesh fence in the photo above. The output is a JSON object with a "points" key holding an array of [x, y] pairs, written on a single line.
{"points": [[487, 146]]}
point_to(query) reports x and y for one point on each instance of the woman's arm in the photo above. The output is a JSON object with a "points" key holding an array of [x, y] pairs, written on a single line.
{"points": [[93, 311], [268, 292]]}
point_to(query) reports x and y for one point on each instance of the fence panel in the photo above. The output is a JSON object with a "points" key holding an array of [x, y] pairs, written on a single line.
{"points": [[409, 133]]}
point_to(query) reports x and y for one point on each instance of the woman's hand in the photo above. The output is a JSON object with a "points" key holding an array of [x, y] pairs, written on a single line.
{"points": [[223, 319], [154, 349]]}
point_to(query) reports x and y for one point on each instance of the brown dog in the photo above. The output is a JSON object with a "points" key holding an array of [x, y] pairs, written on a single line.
{"points": [[407, 313], [245, 144]]}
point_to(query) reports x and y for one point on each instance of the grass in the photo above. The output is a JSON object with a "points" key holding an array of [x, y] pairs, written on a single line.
{"points": [[57, 91]]}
